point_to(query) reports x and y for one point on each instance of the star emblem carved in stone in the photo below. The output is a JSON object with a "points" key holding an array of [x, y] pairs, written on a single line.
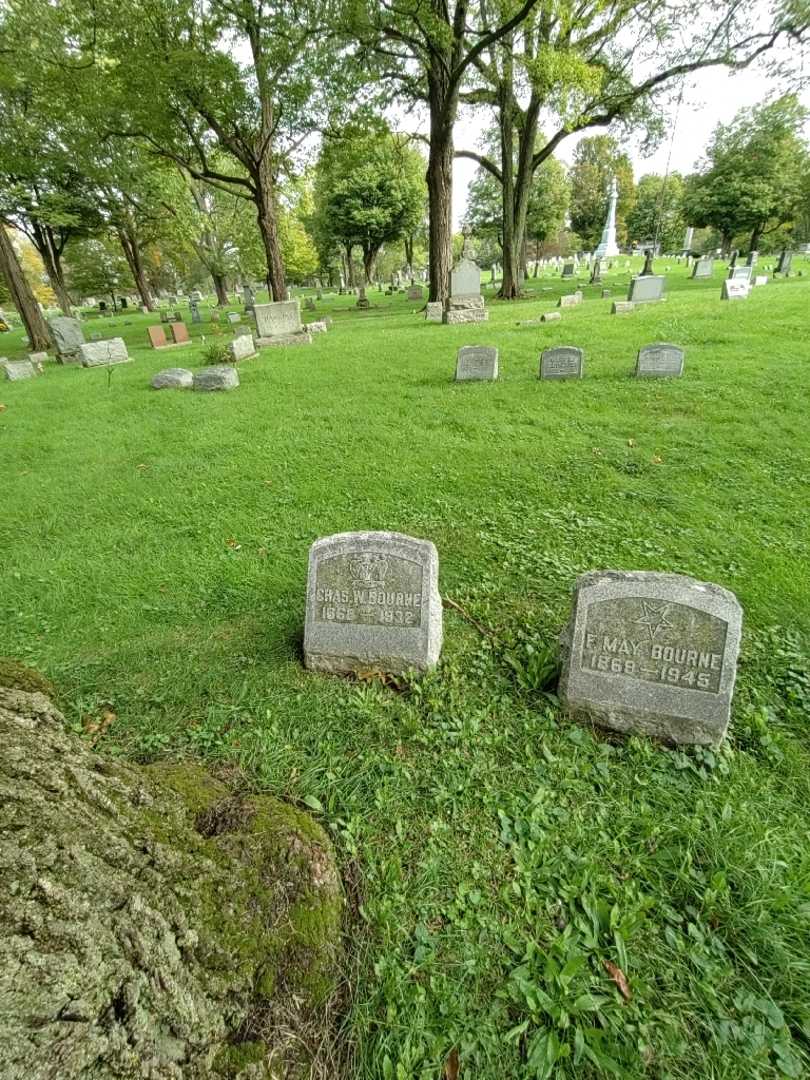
{"points": [[654, 617]]}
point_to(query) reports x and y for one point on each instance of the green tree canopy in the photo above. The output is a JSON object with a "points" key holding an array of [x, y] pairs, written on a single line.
{"points": [[657, 213], [596, 161]]}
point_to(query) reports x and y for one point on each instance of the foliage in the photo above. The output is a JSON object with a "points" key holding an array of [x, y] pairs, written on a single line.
{"points": [[97, 267], [657, 213], [754, 176], [596, 161], [369, 191]]}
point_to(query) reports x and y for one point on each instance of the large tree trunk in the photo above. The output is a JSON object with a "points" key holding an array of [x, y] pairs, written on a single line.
{"points": [[52, 261], [112, 964], [443, 106], [129, 245], [517, 182], [221, 291], [756, 236], [266, 217], [22, 295]]}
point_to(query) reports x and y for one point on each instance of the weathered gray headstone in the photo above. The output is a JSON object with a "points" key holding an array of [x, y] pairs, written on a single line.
{"points": [[571, 300], [741, 273], [216, 377], [622, 307], [703, 268], [38, 359], [465, 309], [652, 654], [562, 362], [568, 270], [785, 259], [761, 279], [465, 279], [477, 362], [15, 370], [234, 317], [104, 353], [173, 378], [242, 347], [735, 290], [647, 290], [660, 360], [434, 311], [280, 318], [317, 327], [373, 604], [68, 336]]}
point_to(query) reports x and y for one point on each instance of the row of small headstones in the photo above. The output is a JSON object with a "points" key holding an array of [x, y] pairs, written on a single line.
{"points": [[480, 362], [644, 653]]}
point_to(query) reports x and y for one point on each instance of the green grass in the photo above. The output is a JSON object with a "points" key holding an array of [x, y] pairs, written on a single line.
{"points": [[154, 562]]}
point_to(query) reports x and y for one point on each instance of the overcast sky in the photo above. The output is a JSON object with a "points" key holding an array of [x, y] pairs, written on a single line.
{"points": [[712, 97]]}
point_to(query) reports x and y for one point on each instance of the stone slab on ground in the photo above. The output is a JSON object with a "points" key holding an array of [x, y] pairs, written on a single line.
{"points": [[16, 370], [434, 311], [735, 289], [570, 300], [651, 654], [562, 362], [173, 378], [373, 604], [104, 353], [216, 377], [465, 315], [621, 307], [318, 327], [285, 339]]}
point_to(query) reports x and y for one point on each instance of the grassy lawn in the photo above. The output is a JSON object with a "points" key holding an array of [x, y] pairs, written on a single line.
{"points": [[498, 857]]}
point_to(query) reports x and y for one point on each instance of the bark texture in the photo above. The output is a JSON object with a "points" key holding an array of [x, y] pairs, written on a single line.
{"points": [[153, 925], [24, 299]]}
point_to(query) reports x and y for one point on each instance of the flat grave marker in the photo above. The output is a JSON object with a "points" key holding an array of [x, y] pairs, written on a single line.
{"points": [[479, 362], [660, 360]]}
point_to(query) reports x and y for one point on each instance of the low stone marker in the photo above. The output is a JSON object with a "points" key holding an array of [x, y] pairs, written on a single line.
{"points": [[568, 270], [68, 336], [157, 336], [550, 316], [179, 332], [38, 359], [173, 378], [279, 323], [622, 307], [242, 347], [761, 279], [16, 370], [104, 353], [653, 654], [318, 327], [606, 293], [741, 273], [234, 317], [647, 290], [478, 362], [216, 377], [660, 360], [703, 268], [562, 362], [434, 311], [465, 309], [572, 300], [735, 290], [373, 604]]}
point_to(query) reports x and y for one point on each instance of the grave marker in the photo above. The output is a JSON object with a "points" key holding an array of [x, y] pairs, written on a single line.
{"points": [[373, 604], [653, 654], [478, 362], [68, 336], [621, 307], [660, 360], [735, 290], [16, 370], [179, 332], [104, 353], [647, 290], [157, 337], [703, 268], [562, 362]]}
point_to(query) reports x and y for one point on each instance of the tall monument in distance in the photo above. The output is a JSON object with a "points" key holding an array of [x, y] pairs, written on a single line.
{"points": [[607, 245]]}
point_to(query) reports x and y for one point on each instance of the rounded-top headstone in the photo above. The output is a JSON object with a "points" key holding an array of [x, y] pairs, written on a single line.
{"points": [[562, 362], [652, 654], [479, 362], [373, 604]]}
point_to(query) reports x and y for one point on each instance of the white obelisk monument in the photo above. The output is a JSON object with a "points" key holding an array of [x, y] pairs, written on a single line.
{"points": [[608, 245]]}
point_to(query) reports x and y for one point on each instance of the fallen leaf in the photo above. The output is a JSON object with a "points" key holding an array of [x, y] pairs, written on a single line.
{"points": [[451, 1066], [631, 442], [141, 466], [656, 460], [233, 544], [97, 726], [619, 978], [2, 408]]}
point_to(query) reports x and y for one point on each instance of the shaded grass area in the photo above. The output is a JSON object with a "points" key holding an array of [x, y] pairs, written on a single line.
{"points": [[154, 563]]}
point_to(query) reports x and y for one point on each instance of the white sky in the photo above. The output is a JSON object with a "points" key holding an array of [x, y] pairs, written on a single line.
{"points": [[712, 97]]}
